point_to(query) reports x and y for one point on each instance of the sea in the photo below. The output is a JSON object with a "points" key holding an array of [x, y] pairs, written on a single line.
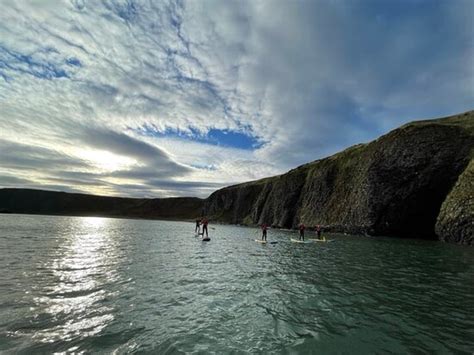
{"points": [[124, 286]]}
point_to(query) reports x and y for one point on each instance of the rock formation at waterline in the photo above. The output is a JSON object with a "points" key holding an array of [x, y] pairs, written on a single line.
{"points": [[456, 219]]}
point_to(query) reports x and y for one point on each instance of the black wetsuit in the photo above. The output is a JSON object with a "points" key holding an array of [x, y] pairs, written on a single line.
{"points": [[204, 228], [198, 227], [264, 234], [302, 233]]}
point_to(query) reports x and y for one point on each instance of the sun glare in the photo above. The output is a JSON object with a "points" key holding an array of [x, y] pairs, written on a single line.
{"points": [[105, 160], [94, 222]]}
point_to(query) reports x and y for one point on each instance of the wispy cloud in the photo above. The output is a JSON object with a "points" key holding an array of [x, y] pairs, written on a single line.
{"points": [[142, 98]]}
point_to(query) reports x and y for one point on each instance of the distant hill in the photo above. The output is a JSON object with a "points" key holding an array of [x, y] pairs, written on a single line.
{"points": [[62, 203]]}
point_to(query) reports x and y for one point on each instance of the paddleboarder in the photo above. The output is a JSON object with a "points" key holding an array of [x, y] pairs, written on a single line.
{"points": [[302, 228], [198, 226], [264, 231], [318, 231], [204, 223]]}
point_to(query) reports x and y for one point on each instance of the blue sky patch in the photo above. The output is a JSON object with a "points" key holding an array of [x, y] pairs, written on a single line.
{"points": [[233, 139], [219, 137], [74, 62], [26, 64]]}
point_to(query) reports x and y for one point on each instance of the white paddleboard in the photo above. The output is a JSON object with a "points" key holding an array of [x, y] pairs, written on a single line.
{"points": [[322, 240], [300, 241], [261, 241]]}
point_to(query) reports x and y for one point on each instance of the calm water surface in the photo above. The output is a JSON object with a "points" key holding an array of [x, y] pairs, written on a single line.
{"points": [[103, 285]]}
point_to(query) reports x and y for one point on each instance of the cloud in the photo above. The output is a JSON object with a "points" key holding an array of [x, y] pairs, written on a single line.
{"points": [[155, 159], [80, 80], [8, 180], [28, 157]]}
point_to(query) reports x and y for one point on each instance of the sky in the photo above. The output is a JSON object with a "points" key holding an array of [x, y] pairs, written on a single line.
{"points": [[180, 98]]}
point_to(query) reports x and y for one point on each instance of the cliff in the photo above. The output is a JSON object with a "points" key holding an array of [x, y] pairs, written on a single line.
{"points": [[394, 185], [62, 203]]}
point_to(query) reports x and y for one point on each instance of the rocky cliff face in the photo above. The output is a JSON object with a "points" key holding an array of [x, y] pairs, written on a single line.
{"points": [[455, 221], [394, 185]]}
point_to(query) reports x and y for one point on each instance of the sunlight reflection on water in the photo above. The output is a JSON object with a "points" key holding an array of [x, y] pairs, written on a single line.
{"points": [[82, 264]]}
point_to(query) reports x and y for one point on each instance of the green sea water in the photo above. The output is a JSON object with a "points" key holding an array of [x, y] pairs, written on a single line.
{"points": [[99, 285]]}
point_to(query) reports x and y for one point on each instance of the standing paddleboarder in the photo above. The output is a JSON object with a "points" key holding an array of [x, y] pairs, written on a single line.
{"points": [[198, 226], [204, 223], [318, 231], [302, 228], [264, 231]]}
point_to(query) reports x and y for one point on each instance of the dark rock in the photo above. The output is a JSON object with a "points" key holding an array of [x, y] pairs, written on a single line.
{"points": [[456, 219]]}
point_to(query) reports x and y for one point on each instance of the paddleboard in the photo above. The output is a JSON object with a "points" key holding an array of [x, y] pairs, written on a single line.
{"points": [[322, 240], [300, 241], [206, 239], [261, 241]]}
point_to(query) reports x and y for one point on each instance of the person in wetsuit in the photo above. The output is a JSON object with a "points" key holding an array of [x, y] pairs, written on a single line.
{"points": [[318, 231], [302, 228], [204, 223], [198, 226], [264, 231]]}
